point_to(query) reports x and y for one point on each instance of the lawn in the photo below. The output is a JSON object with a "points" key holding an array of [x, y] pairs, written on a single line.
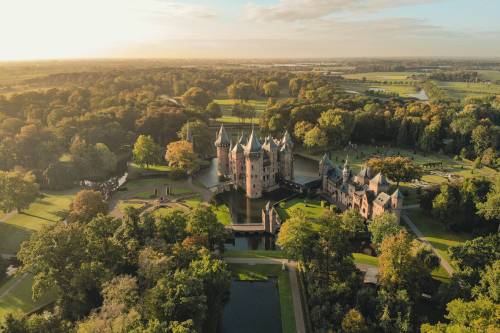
{"points": [[403, 90], [381, 76], [312, 208], [50, 208], [19, 299], [435, 232], [262, 273], [465, 89], [227, 104]]}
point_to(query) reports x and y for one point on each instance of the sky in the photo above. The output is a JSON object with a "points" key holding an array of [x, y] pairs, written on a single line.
{"points": [[60, 29]]}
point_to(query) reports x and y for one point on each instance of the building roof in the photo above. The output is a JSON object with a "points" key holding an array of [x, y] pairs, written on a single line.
{"points": [[253, 144], [380, 179], [287, 139], [366, 172], [382, 199], [222, 138], [397, 194], [272, 143], [325, 161], [237, 148]]}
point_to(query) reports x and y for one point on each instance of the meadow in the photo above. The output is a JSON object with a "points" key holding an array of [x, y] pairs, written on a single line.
{"points": [[461, 90]]}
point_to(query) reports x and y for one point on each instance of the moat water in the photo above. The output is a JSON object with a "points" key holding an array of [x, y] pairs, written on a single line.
{"points": [[253, 307]]}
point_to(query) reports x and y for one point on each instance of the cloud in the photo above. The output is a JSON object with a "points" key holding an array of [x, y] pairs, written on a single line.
{"points": [[295, 10]]}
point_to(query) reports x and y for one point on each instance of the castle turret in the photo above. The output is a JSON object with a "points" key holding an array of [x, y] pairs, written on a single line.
{"points": [[238, 164], [286, 157], [397, 203], [253, 167], [378, 184], [364, 176], [223, 144], [325, 165], [271, 170], [346, 173]]}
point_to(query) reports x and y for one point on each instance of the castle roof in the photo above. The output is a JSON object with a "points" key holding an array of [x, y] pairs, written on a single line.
{"points": [[380, 179], [366, 172], [238, 148], [325, 161], [272, 144], [253, 145], [397, 194], [287, 139], [382, 199], [222, 138]]}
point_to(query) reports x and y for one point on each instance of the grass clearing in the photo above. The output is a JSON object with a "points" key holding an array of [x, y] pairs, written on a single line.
{"points": [[312, 208], [435, 232], [19, 299], [262, 273], [465, 89], [381, 76]]}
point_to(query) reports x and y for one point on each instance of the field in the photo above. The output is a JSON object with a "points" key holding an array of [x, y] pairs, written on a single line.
{"points": [[489, 75], [15, 293], [227, 105], [440, 238], [312, 208], [403, 90], [464, 89], [262, 273], [381, 76]]}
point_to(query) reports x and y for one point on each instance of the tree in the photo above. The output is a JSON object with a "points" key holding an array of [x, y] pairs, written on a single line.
{"points": [[353, 222], [146, 151], [203, 222], [296, 237], [396, 168], [199, 135], [196, 97], [490, 209], [271, 89], [214, 111], [180, 155], [338, 125], [445, 204], [86, 205], [316, 138], [241, 91], [108, 158], [17, 190], [301, 128], [480, 139], [383, 226], [354, 322], [481, 315]]}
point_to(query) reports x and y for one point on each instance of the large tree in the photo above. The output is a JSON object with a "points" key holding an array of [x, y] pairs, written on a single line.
{"points": [[146, 151], [196, 97], [202, 222], [17, 190], [396, 168], [383, 226], [180, 155], [86, 205]]}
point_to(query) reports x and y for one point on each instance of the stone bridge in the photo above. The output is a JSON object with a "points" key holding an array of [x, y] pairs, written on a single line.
{"points": [[221, 187]]}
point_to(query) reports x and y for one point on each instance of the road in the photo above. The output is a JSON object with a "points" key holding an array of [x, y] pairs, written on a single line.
{"points": [[371, 273], [446, 265]]}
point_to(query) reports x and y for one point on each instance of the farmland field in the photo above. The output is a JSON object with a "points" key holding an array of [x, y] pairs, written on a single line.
{"points": [[381, 76], [465, 89]]}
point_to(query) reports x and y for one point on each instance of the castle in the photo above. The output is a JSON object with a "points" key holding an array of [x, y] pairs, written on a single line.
{"points": [[252, 166], [363, 192]]}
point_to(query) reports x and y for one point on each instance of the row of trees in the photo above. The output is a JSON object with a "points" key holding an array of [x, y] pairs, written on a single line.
{"points": [[141, 273]]}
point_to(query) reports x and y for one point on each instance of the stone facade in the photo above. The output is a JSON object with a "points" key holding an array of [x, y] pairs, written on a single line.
{"points": [[363, 192], [253, 166]]}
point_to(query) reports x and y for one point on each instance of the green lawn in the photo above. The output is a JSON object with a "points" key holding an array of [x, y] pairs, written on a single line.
{"points": [[435, 232], [361, 258], [489, 75], [262, 273], [403, 90], [255, 254], [19, 299], [157, 167], [381, 76], [223, 214], [465, 89], [312, 208], [227, 104]]}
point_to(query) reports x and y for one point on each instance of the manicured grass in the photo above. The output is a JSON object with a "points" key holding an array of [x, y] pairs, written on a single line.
{"points": [[403, 90], [236, 120], [193, 202], [262, 273], [223, 214], [277, 254], [489, 75], [227, 105], [312, 208], [435, 232], [158, 167], [381, 76], [145, 188], [50, 208], [464, 89], [361, 258]]}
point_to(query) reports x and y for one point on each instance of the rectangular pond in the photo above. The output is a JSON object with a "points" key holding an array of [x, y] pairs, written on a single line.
{"points": [[254, 307]]}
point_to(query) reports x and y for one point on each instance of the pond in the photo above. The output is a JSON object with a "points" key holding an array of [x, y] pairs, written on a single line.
{"points": [[253, 307], [421, 95], [251, 242]]}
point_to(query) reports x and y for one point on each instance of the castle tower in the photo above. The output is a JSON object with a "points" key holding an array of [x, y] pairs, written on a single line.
{"points": [[378, 184], [286, 157], [253, 167], [238, 163], [364, 176], [222, 143], [346, 172], [325, 165], [397, 203], [271, 149]]}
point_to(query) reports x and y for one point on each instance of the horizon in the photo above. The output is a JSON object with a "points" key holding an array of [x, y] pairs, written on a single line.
{"points": [[243, 29]]}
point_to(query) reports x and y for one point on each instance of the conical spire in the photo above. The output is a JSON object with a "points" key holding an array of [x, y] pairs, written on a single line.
{"points": [[253, 145], [397, 194], [222, 139], [346, 163], [287, 139]]}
